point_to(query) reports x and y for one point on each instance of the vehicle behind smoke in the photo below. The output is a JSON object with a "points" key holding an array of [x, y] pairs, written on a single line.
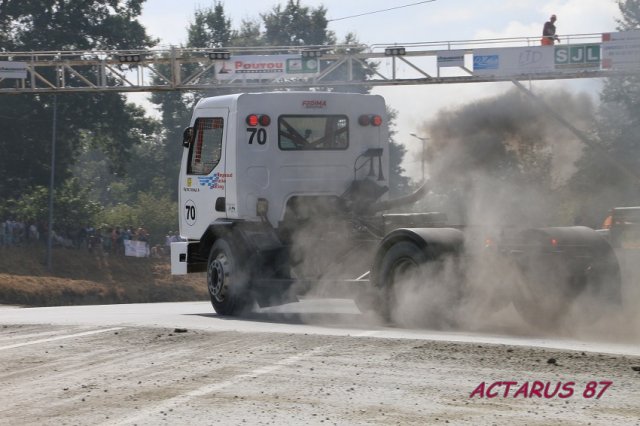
{"points": [[286, 193]]}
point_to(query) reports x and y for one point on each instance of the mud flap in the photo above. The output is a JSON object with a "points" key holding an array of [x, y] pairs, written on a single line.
{"points": [[179, 258]]}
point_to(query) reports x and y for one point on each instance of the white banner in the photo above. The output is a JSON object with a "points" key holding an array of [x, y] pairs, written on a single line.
{"points": [[136, 248], [13, 69], [621, 36], [451, 58], [621, 50], [513, 61], [267, 67]]}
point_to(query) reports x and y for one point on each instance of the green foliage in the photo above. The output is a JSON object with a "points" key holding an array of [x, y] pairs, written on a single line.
{"points": [[25, 145], [630, 11], [248, 35], [210, 28], [96, 24], [157, 214], [72, 206], [122, 160], [296, 25], [121, 215], [105, 120], [398, 182], [599, 181], [32, 206]]}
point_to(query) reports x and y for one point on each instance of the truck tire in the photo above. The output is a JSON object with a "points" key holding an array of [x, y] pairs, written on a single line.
{"points": [[228, 279], [415, 277], [400, 263], [544, 291], [580, 282]]}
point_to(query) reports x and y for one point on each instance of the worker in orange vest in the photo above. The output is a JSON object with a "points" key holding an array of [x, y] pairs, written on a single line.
{"points": [[549, 32]]}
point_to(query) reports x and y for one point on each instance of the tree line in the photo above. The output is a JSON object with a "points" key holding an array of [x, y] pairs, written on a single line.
{"points": [[117, 165]]}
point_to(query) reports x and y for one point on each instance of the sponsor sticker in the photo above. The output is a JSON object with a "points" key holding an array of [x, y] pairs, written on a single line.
{"points": [[486, 62], [577, 56], [215, 181], [316, 103]]}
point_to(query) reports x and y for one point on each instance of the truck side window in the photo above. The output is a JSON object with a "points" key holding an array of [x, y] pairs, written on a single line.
{"points": [[313, 132], [206, 149]]}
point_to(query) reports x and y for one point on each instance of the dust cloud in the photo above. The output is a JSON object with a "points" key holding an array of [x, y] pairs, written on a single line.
{"points": [[497, 167]]}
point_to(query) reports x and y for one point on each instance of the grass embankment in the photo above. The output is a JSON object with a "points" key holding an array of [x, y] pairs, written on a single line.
{"points": [[79, 277]]}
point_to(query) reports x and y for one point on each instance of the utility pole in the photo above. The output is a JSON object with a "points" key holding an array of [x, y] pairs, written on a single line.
{"points": [[51, 184], [424, 141]]}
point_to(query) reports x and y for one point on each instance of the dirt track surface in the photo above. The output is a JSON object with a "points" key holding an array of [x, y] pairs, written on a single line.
{"points": [[72, 374]]}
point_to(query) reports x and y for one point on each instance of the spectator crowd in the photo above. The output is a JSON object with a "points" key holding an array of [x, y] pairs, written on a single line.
{"points": [[100, 240]]}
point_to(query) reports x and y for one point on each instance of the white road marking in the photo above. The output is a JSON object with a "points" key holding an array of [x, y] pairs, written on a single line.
{"points": [[363, 276], [53, 339], [207, 389], [14, 335]]}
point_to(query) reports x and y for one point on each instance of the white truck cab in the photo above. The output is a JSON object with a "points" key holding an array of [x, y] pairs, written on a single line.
{"points": [[271, 147], [249, 157]]}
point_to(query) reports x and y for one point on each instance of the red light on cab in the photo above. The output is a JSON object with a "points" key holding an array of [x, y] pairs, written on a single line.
{"points": [[252, 120], [264, 120], [554, 243], [374, 120]]}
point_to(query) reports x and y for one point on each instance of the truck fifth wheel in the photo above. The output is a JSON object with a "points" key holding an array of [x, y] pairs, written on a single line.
{"points": [[282, 194]]}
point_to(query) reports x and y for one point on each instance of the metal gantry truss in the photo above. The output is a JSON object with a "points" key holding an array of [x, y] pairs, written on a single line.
{"points": [[185, 69]]}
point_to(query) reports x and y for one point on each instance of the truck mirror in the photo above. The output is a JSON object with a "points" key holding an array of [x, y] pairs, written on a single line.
{"points": [[187, 136]]}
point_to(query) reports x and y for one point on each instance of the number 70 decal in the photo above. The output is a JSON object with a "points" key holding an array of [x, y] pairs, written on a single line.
{"points": [[260, 135], [190, 212]]}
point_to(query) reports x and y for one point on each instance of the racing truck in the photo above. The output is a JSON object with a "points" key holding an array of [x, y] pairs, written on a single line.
{"points": [[283, 194]]}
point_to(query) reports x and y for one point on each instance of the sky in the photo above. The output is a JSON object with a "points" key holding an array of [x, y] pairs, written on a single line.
{"points": [[437, 20]]}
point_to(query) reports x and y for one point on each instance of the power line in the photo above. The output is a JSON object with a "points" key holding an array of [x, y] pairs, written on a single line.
{"points": [[381, 10]]}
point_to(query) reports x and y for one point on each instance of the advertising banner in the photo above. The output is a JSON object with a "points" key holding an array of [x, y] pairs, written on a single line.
{"points": [[577, 57], [10, 69], [266, 67], [451, 58], [621, 50], [136, 248], [513, 61]]}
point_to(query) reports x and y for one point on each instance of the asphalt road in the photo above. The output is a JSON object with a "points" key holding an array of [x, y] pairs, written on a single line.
{"points": [[316, 362]]}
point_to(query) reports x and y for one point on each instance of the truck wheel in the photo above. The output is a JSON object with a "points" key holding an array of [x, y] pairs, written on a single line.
{"points": [[544, 289], [578, 285], [228, 280], [400, 264]]}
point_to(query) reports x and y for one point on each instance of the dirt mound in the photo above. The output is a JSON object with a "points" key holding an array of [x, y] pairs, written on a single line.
{"points": [[80, 277]]}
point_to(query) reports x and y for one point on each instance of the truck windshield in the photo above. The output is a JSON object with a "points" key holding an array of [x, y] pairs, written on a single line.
{"points": [[313, 132], [206, 148]]}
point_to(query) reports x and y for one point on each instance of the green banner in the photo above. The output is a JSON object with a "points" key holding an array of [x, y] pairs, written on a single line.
{"points": [[577, 56], [302, 65]]}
